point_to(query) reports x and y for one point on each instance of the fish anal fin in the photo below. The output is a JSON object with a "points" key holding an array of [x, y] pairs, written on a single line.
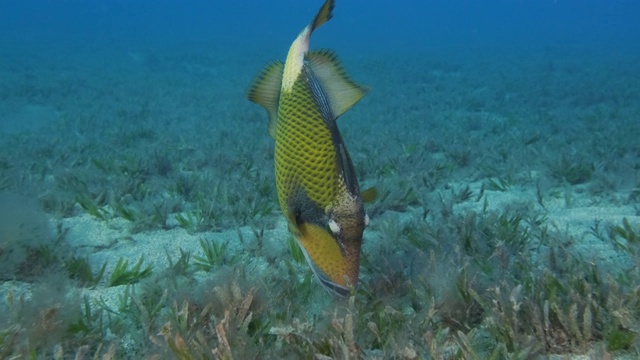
{"points": [[342, 92], [265, 91]]}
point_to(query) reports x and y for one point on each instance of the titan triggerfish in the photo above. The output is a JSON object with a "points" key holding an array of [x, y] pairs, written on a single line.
{"points": [[317, 186]]}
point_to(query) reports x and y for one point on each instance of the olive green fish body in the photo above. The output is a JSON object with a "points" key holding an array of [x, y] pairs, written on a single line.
{"points": [[317, 187], [304, 154]]}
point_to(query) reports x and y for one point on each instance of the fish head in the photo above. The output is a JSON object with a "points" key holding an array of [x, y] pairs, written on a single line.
{"points": [[336, 263], [333, 250]]}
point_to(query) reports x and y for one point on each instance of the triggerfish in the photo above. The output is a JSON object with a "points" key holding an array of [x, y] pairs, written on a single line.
{"points": [[317, 186]]}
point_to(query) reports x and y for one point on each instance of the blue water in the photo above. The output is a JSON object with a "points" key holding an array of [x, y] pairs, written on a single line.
{"points": [[386, 26], [528, 108]]}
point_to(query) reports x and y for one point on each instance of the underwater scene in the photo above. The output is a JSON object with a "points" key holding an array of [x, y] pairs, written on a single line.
{"points": [[320, 179]]}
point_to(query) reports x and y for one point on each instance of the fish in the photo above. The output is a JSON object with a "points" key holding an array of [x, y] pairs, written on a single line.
{"points": [[318, 190]]}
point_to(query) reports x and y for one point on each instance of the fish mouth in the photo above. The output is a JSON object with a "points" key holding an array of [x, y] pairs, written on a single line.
{"points": [[333, 287], [335, 267]]}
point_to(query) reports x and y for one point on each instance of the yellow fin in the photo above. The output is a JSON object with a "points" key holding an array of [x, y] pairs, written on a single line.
{"points": [[369, 195], [340, 89], [291, 223], [265, 91]]}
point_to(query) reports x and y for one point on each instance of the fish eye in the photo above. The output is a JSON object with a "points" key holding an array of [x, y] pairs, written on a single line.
{"points": [[335, 228]]}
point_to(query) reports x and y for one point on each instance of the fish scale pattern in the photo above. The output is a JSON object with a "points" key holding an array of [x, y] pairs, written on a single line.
{"points": [[304, 154]]}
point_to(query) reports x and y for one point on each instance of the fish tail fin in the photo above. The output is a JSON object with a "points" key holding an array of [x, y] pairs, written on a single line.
{"points": [[324, 14]]}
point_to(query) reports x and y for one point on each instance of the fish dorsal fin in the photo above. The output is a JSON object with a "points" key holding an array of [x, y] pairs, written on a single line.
{"points": [[265, 91], [340, 89]]}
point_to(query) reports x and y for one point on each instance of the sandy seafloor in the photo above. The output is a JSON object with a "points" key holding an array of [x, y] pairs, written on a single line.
{"points": [[521, 116]]}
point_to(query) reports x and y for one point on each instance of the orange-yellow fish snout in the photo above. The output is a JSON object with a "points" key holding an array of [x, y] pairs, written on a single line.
{"points": [[335, 264]]}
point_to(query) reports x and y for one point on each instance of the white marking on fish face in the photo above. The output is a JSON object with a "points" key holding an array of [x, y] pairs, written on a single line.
{"points": [[366, 220], [334, 226]]}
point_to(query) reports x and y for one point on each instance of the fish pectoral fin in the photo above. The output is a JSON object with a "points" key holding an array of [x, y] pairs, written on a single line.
{"points": [[343, 93], [265, 91], [369, 195], [293, 224]]}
